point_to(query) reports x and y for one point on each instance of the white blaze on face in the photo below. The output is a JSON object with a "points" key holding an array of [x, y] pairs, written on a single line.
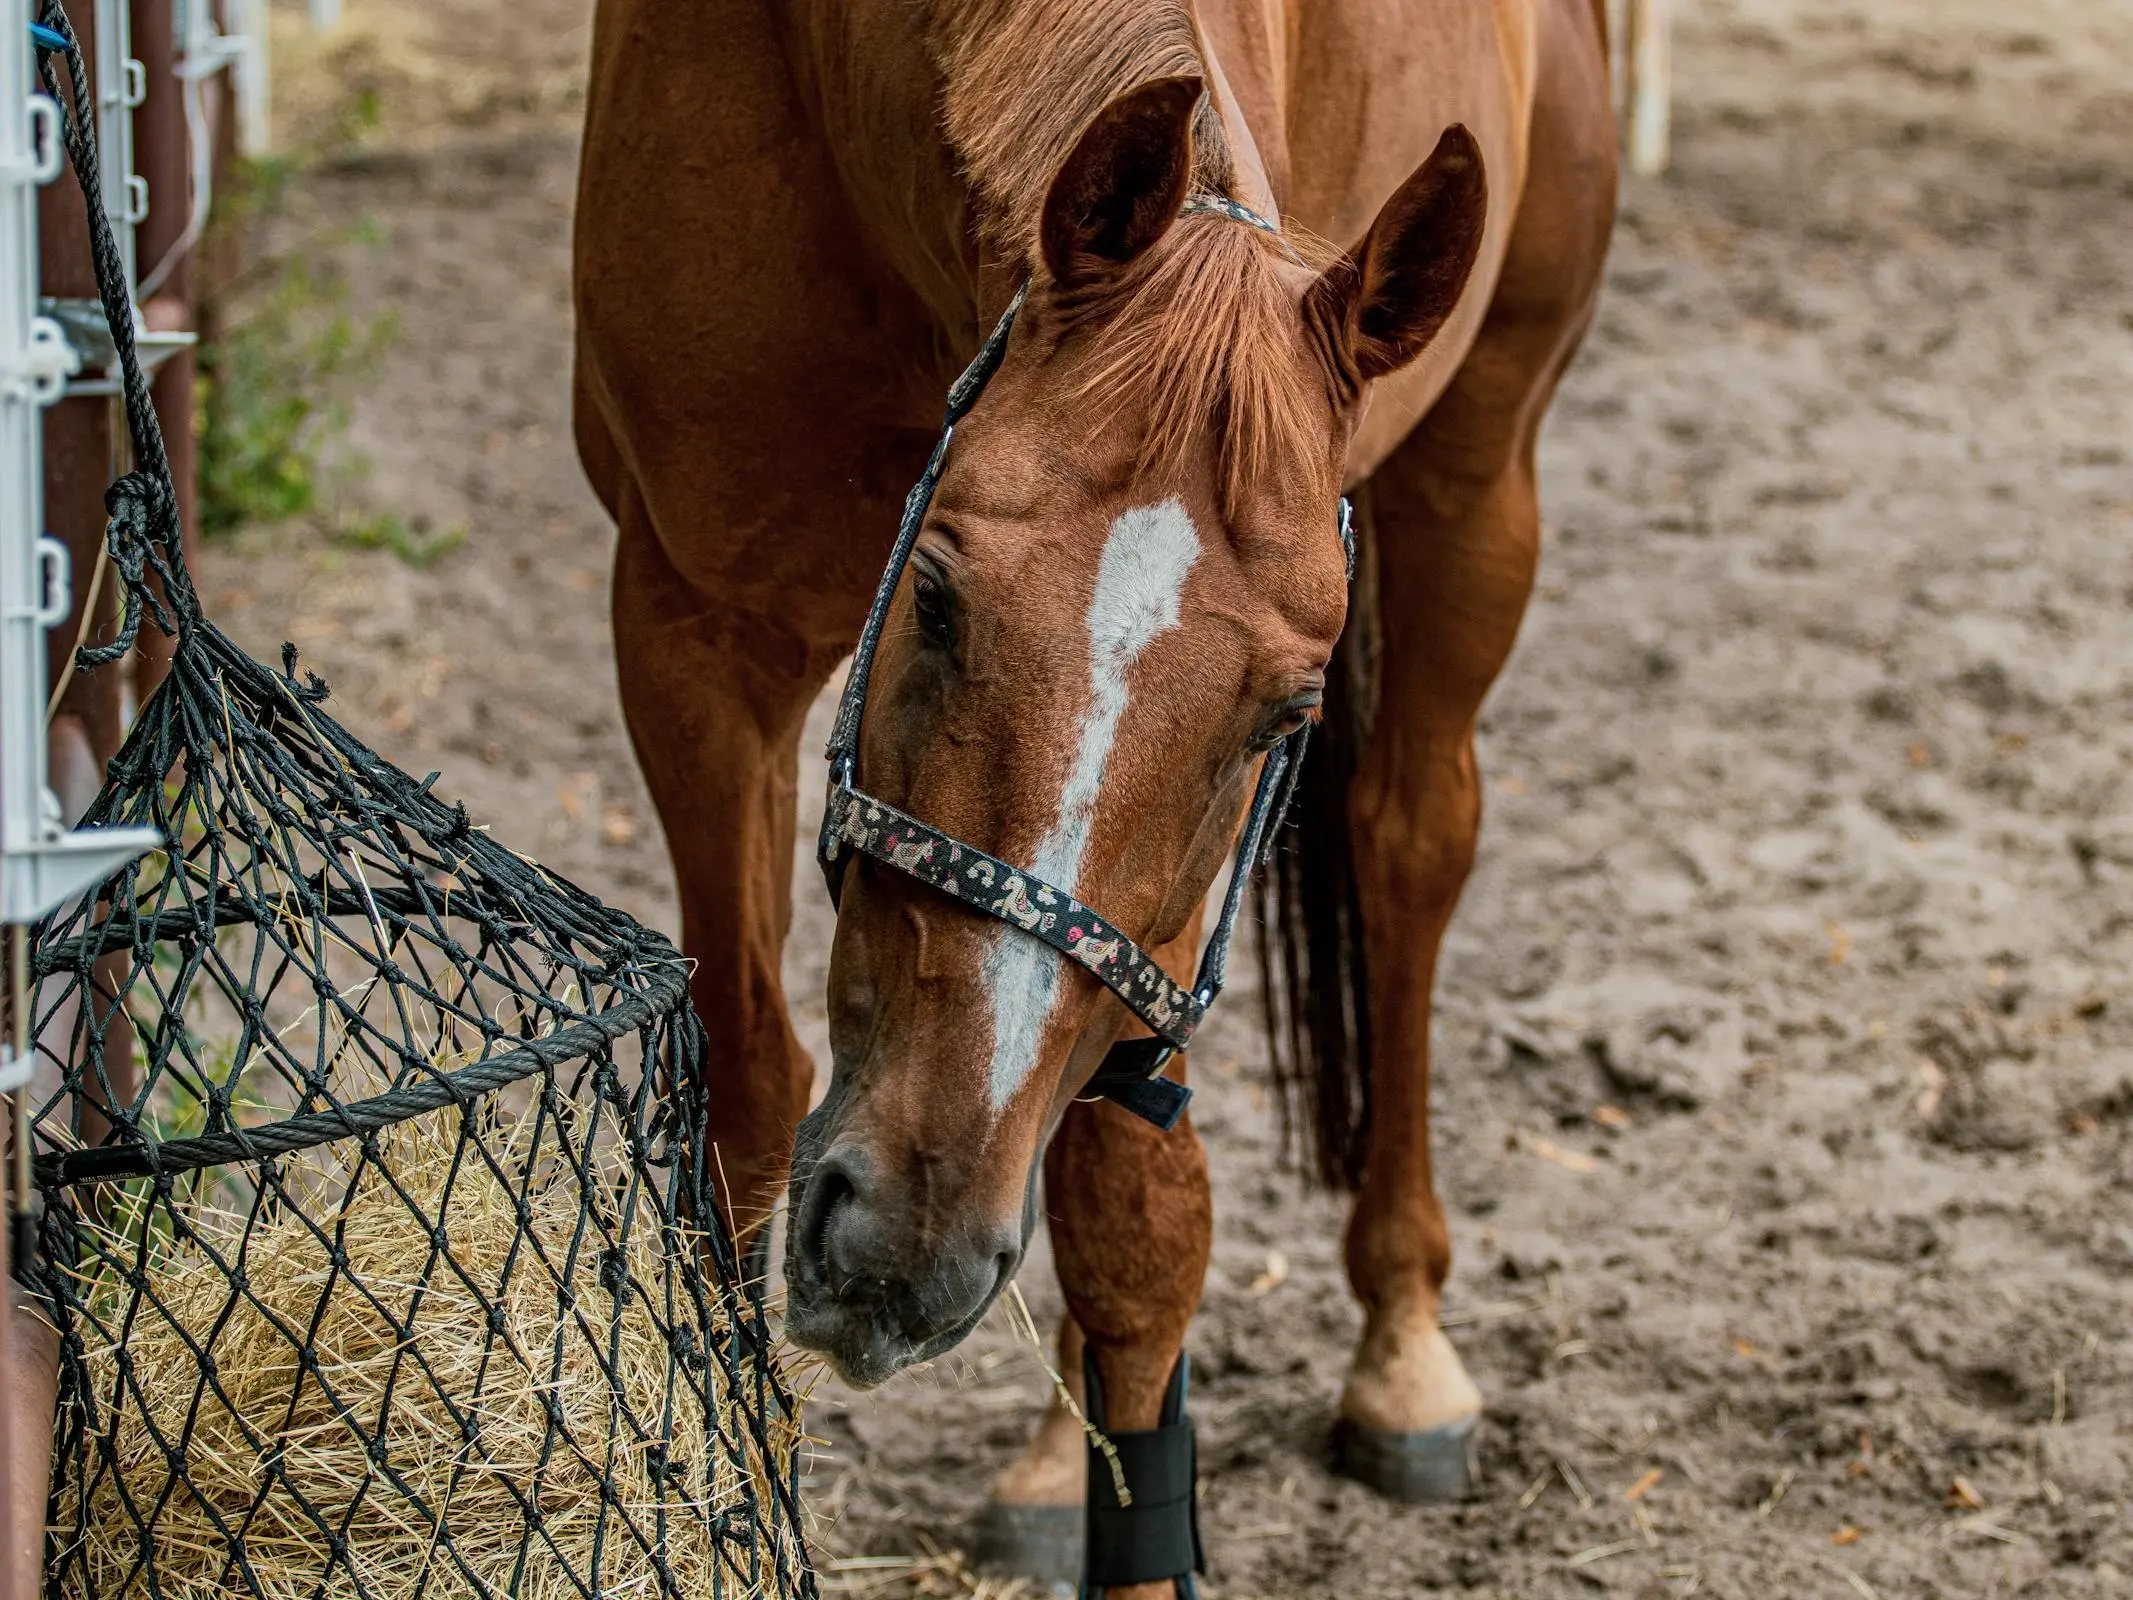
{"points": [[1146, 557]]}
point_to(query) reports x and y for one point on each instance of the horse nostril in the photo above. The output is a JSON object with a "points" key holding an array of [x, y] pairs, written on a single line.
{"points": [[849, 1243], [830, 1190]]}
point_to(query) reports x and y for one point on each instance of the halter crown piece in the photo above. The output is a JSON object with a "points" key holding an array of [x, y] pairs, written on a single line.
{"points": [[1131, 1074]]}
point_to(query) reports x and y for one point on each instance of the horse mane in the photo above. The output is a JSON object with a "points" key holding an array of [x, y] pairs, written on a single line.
{"points": [[1021, 79], [1199, 334]]}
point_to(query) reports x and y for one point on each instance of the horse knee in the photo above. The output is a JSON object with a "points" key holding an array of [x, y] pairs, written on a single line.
{"points": [[1132, 1224]]}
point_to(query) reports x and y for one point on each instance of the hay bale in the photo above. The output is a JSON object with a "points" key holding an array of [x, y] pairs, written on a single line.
{"points": [[511, 1327]]}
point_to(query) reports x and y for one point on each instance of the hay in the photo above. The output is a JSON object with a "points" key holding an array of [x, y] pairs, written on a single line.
{"points": [[467, 1406]]}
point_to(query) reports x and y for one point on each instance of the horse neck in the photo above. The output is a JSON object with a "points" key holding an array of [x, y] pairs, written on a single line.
{"points": [[949, 119]]}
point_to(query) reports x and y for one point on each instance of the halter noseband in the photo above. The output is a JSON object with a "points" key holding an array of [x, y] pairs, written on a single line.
{"points": [[1131, 1074]]}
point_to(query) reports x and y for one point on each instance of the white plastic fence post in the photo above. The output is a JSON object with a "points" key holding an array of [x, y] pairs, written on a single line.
{"points": [[119, 88], [254, 75], [41, 865], [1651, 85]]}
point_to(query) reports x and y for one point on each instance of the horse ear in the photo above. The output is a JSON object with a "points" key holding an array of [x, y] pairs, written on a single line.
{"points": [[1122, 186], [1383, 303]]}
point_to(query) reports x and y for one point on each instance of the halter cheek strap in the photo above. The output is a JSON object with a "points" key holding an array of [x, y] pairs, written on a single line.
{"points": [[854, 821], [843, 749]]}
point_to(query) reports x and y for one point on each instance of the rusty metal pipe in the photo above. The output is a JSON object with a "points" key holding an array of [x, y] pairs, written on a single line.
{"points": [[29, 1354]]}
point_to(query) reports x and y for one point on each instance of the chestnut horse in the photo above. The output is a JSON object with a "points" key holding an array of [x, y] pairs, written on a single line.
{"points": [[796, 221]]}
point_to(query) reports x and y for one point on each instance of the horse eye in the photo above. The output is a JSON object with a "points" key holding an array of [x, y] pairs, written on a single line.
{"points": [[1289, 720], [931, 602]]}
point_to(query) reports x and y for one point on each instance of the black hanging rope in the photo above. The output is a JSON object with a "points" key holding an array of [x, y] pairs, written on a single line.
{"points": [[143, 535]]}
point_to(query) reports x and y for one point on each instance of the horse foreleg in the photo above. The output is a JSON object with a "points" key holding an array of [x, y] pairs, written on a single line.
{"points": [[1031, 1525], [1132, 1224], [715, 699], [1451, 597]]}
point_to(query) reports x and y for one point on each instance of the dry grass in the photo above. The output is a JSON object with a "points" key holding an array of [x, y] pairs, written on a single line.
{"points": [[433, 1511], [399, 73]]}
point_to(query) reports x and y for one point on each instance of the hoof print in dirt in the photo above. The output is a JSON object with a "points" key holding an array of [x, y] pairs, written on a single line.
{"points": [[1432, 1464], [1041, 1544]]}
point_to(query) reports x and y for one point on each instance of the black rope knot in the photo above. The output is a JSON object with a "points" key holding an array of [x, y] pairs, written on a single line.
{"points": [[143, 537], [144, 505]]}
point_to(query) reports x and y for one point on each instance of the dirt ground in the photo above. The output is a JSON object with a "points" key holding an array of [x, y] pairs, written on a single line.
{"points": [[1809, 850]]}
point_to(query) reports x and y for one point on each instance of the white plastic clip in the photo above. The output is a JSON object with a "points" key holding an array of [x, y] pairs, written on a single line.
{"points": [[55, 581], [48, 361], [45, 138]]}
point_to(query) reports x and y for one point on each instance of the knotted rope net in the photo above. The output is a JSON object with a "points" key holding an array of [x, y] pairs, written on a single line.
{"points": [[377, 1226]]}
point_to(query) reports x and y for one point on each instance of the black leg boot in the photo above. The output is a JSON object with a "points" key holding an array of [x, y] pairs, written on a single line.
{"points": [[1157, 1536]]}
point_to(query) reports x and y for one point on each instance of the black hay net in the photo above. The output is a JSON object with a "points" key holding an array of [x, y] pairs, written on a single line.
{"points": [[378, 1230]]}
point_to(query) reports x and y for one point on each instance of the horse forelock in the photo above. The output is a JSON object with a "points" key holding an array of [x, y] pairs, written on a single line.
{"points": [[1199, 340], [1204, 342]]}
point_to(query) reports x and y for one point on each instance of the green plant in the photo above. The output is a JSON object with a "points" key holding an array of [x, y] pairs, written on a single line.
{"points": [[272, 403], [273, 398], [388, 530]]}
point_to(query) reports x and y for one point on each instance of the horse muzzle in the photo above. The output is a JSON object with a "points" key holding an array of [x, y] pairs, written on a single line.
{"points": [[869, 1284]]}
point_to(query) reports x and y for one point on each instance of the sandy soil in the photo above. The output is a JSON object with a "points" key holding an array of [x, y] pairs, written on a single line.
{"points": [[1809, 852]]}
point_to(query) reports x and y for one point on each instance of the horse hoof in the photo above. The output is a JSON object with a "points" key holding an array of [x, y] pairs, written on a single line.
{"points": [[1432, 1464], [1039, 1543]]}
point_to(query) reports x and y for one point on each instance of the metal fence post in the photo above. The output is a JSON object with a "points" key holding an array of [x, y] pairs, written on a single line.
{"points": [[251, 21]]}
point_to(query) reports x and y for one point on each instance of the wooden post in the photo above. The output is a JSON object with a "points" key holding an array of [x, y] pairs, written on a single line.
{"points": [[29, 1345], [17, 1580], [29, 1365]]}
